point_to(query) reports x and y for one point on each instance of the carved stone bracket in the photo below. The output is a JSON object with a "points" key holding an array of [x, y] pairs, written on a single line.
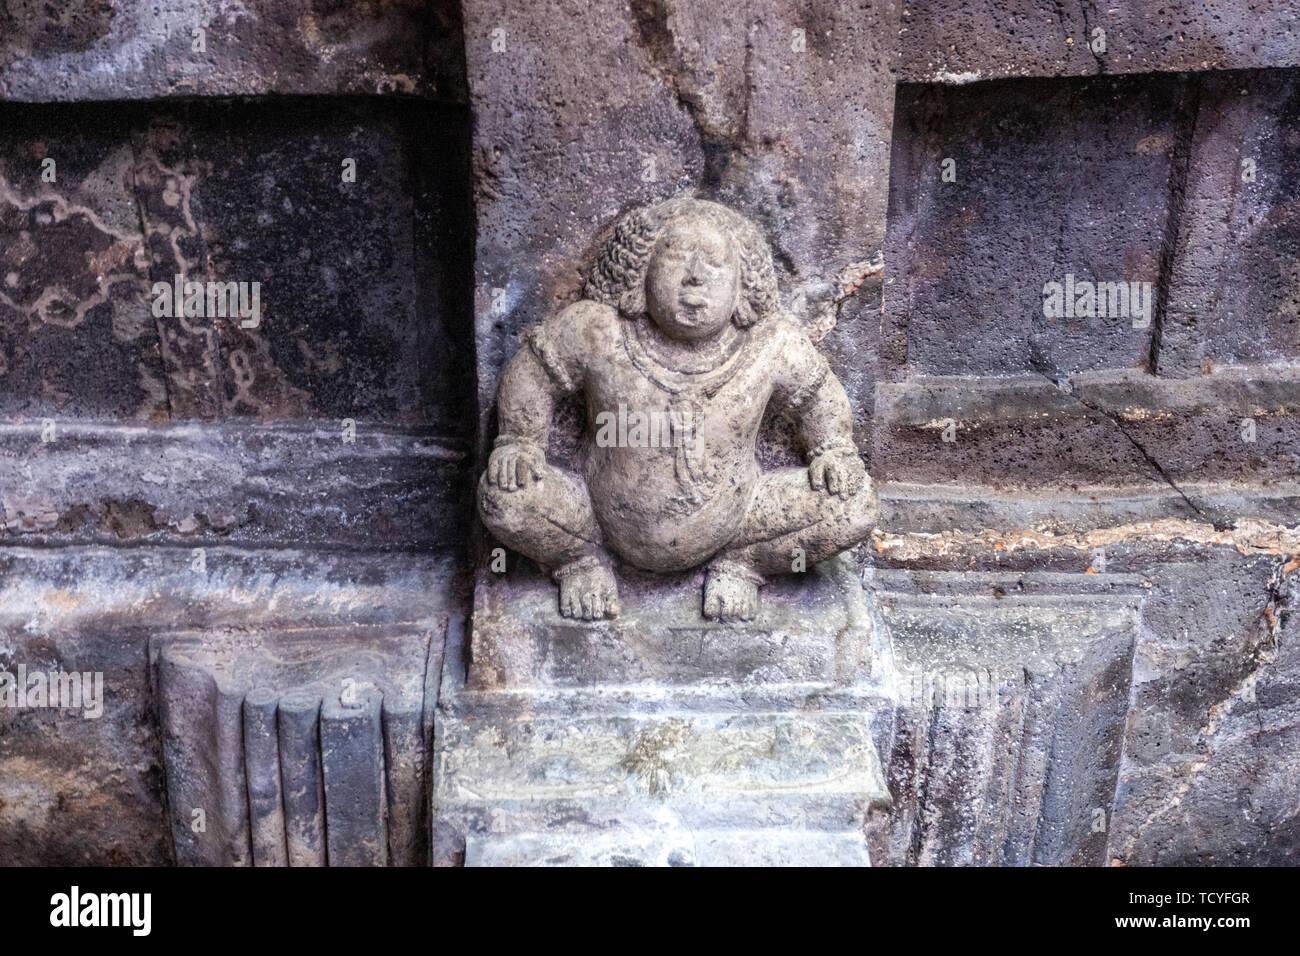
{"points": [[1011, 693], [299, 748]]}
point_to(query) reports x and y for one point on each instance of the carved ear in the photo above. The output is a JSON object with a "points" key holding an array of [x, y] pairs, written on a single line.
{"points": [[744, 316], [632, 302]]}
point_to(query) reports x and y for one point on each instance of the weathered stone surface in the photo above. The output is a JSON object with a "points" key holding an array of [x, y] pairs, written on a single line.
{"points": [[1191, 787], [1175, 720], [1011, 697], [590, 110], [136, 49], [82, 791], [1092, 516], [1053, 177], [813, 628], [1210, 753], [1234, 294], [362, 285], [698, 757], [1144, 176], [48, 591], [668, 845], [961, 41], [697, 771], [76, 335], [237, 484], [77, 790], [218, 695], [1122, 428]]}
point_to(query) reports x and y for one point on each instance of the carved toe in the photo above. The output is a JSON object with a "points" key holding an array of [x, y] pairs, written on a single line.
{"points": [[588, 591], [731, 592]]}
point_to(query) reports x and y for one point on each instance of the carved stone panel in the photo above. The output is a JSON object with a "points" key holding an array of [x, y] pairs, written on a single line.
{"points": [[303, 748]]}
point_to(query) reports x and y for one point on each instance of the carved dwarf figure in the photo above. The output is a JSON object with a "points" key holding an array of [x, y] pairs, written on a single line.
{"points": [[681, 338]]}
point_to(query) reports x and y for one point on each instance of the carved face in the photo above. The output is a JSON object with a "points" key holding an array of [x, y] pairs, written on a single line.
{"points": [[693, 280]]}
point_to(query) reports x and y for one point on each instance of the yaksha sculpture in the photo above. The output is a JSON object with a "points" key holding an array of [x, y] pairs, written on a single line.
{"points": [[678, 347]]}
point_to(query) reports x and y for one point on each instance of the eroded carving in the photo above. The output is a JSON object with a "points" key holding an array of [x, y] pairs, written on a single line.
{"points": [[678, 346]]}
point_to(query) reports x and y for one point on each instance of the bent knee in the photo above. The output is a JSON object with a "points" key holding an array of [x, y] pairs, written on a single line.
{"points": [[858, 514], [863, 510], [505, 513]]}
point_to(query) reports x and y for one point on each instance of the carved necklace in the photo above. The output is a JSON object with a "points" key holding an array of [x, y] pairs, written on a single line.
{"points": [[674, 381], [688, 393]]}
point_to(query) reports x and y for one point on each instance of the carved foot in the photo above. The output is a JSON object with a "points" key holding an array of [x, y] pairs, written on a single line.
{"points": [[588, 591], [731, 591]]}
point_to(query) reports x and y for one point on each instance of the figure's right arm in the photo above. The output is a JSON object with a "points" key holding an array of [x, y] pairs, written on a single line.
{"points": [[525, 402], [526, 399], [549, 364]]}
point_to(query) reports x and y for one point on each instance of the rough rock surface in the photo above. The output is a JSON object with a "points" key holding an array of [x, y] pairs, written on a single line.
{"points": [[586, 111], [1136, 487], [137, 49], [144, 193], [962, 41]]}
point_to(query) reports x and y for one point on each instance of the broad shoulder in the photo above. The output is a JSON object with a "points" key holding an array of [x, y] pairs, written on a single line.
{"points": [[566, 342], [584, 320], [785, 336]]}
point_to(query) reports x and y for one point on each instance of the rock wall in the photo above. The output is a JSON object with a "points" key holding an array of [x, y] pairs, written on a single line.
{"points": [[1043, 479], [782, 110]]}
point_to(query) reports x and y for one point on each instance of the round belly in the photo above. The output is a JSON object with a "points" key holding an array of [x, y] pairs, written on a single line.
{"points": [[651, 521]]}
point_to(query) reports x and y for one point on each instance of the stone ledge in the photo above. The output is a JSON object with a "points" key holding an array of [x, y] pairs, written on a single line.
{"points": [[668, 845], [610, 762], [232, 483], [55, 590], [1104, 429], [955, 43], [812, 628], [911, 507], [1008, 588]]}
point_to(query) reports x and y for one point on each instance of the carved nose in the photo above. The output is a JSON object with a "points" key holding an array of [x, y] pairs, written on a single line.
{"points": [[694, 276]]}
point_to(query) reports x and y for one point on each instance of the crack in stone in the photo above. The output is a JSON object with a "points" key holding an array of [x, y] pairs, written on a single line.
{"points": [[1060, 18], [166, 379], [718, 143], [1087, 38], [1066, 386], [1277, 597], [656, 37], [1243, 690], [1184, 124]]}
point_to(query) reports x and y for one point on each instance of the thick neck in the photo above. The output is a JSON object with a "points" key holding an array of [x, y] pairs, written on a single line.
{"points": [[691, 356]]}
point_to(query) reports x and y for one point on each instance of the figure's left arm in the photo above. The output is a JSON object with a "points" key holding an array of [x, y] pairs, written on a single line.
{"points": [[821, 408]]}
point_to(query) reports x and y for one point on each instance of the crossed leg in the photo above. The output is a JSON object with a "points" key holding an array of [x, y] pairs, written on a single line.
{"points": [[551, 521], [787, 520]]}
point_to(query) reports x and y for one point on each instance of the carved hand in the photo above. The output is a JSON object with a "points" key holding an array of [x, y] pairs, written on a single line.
{"points": [[515, 463], [838, 470]]}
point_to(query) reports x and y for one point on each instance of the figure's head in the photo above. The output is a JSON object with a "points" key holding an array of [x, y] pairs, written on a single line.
{"points": [[691, 265], [692, 281]]}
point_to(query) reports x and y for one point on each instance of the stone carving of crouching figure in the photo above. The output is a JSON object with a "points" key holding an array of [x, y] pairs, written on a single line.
{"points": [[681, 339]]}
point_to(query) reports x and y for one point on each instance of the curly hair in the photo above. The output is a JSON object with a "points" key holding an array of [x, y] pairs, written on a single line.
{"points": [[618, 277]]}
